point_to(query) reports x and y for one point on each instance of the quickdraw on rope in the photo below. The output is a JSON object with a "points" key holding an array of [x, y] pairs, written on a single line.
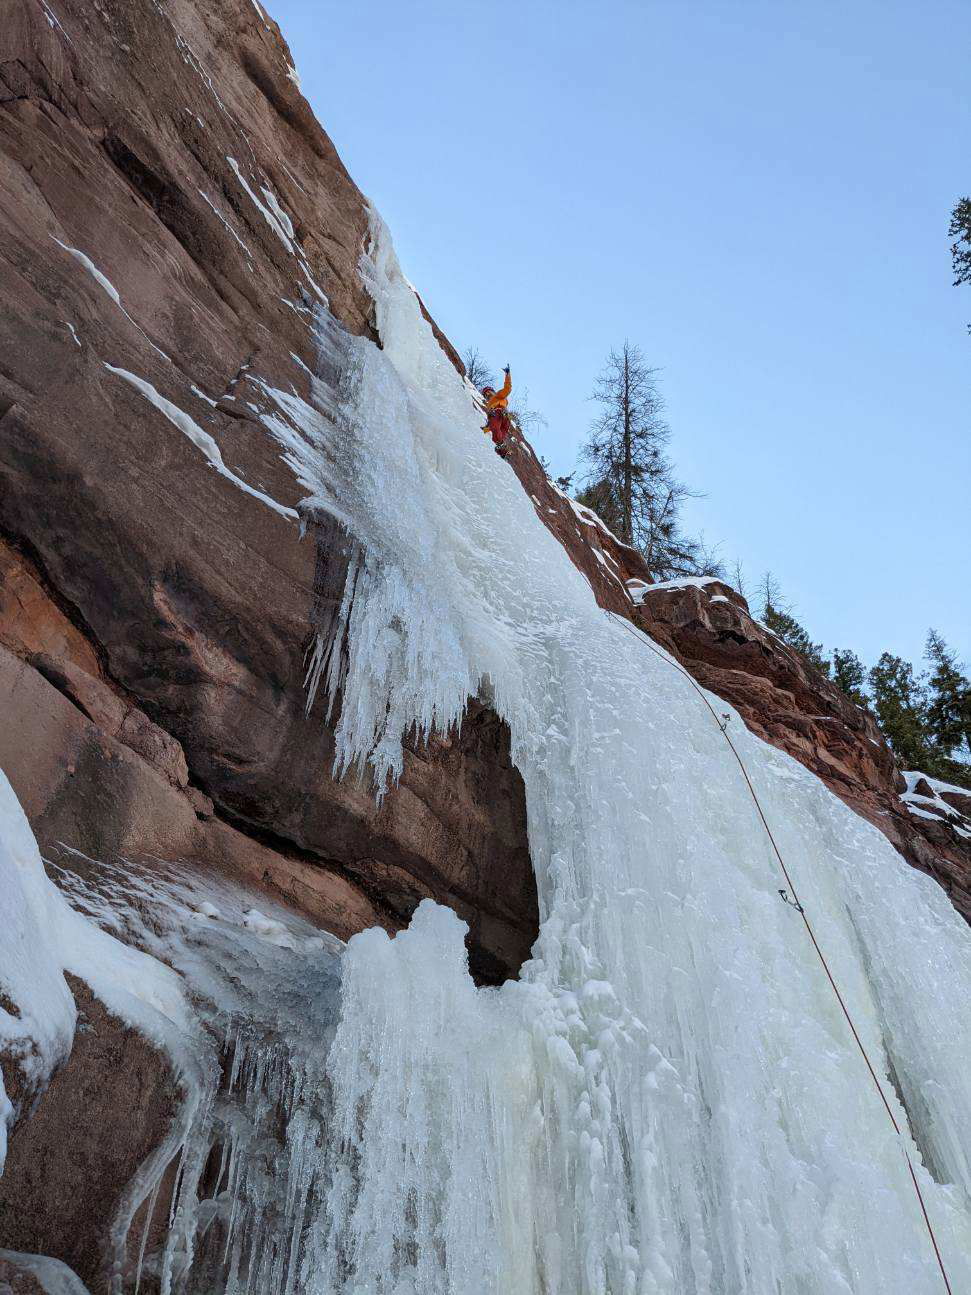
{"points": [[790, 896]]}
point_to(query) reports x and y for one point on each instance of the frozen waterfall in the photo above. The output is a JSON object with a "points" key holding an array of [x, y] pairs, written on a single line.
{"points": [[669, 1100]]}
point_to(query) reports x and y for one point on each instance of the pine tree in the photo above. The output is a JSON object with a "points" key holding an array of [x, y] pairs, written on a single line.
{"points": [[776, 615], [960, 230], [849, 674], [629, 473], [563, 483], [626, 445], [604, 499], [949, 704], [901, 709]]}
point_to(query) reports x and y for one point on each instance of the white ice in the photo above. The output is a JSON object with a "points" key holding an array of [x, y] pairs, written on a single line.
{"points": [[669, 1100], [935, 807], [685, 582], [42, 938], [101, 279], [52, 1276], [272, 212]]}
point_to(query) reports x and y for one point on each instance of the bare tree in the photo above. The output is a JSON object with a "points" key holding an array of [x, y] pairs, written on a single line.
{"points": [[738, 580], [771, 597], [525, 417], [477, 369], [705, 560]]}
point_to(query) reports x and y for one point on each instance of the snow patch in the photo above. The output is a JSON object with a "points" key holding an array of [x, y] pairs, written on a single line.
{"points": [[109, 288], [269, 929], [53, 21], [189, 57], [101, 279], [284, 232], [225, 222], [52, 1276], [199, 438], [41, 939], [202, 396], [281, 216], [685, 582], [935, 806]]}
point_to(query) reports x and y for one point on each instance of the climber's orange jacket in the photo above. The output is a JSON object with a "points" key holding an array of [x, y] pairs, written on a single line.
{"points": [[500, 399]]}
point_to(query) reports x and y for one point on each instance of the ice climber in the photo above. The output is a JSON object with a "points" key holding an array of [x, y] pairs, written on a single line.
{"points": [[497, 416]]}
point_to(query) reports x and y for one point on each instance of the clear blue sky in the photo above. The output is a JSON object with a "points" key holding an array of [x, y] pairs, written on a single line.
{"points": [[757, 193]]}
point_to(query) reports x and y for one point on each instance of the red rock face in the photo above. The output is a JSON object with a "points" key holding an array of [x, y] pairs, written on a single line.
{"points": [[69, 1164]]}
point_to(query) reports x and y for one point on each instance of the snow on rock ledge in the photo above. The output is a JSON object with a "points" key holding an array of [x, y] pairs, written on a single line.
{"points": [[44, 938], [37, 1273], [37, 1012]]}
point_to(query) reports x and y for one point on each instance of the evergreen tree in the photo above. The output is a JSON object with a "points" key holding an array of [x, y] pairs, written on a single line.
{"points": [[901, 709], [776, 615], [564, 483], [603, 498], [630, 480], [849, 674], [949, 704], [625, 449], [960, 230]]}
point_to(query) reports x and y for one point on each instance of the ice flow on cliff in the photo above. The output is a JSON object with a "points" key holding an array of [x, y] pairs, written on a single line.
{"points": [[669, 1100]]}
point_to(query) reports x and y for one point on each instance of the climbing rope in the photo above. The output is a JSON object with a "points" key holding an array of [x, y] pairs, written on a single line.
{"points": [[791, 897]]}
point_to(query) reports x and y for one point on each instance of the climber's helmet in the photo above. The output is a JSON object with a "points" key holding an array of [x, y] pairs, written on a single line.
{"points": [[488, 391]]}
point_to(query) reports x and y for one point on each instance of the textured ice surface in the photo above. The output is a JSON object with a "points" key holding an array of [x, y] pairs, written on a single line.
{"points": [[670, 1100], [52, 1277], [246, 1145], [42, 937], [242, 999], [37, 1012]]}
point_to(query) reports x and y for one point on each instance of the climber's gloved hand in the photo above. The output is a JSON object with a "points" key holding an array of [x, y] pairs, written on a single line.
{"points": [[506, 369]]}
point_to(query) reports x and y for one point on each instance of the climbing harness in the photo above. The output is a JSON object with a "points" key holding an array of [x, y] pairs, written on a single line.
{"points": [[793, 902]]}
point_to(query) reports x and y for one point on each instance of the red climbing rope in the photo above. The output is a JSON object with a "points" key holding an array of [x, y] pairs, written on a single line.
{"points": [[643, 639]]}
